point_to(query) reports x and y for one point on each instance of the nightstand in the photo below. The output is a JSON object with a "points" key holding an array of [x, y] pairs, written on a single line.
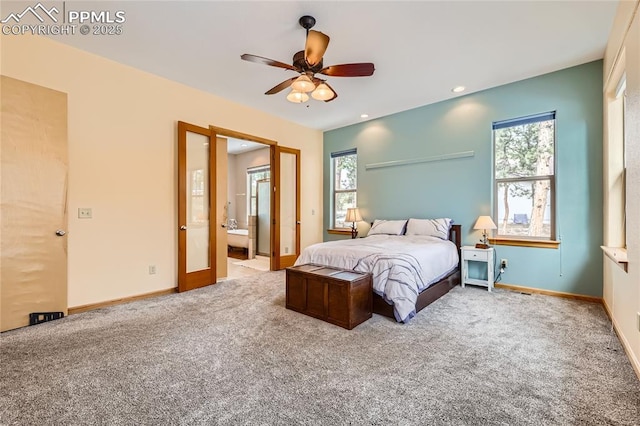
{"points": [[472, 254]]}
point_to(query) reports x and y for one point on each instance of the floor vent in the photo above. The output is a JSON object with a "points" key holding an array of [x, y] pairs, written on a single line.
{"points": [[40, 317]]}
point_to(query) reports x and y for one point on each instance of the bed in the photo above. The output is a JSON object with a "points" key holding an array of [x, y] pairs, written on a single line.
{"points": [[410, 269]]}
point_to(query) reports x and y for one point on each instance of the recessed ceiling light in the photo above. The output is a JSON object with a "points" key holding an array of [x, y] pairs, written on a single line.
{"points": [[458, 89], [364, 115], [244, 145]]}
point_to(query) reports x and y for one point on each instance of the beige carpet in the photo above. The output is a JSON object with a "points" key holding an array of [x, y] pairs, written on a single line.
{"points": [[261, 263], [231, 354]]}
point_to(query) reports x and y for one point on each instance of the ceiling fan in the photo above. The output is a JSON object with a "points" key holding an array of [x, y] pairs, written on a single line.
{"points": [[308, 63]]}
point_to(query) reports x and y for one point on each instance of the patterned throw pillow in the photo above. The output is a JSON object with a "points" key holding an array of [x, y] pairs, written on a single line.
{"points": [[431, 227]]}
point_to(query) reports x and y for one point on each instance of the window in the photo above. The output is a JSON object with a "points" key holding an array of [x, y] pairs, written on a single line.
{"points": [[619, 120], [524, 177], [255, 174], [615, 169], [344, 172]]}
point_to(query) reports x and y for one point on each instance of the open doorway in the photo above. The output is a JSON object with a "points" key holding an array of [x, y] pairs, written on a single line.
{"points": [[248, 209]]}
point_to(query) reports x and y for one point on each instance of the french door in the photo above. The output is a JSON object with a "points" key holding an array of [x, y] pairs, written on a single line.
{"points": [[286, 211], [196, 206]]}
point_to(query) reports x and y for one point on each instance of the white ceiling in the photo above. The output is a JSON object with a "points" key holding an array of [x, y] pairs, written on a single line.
{"points": [[239, 146], [421, 49]]}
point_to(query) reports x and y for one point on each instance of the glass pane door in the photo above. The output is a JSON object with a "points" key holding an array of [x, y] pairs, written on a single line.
{"points": [[287, 203], [197, 201], [287, 244], [196, 192]]}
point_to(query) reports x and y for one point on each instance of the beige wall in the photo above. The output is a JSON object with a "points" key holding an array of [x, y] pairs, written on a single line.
{"points": [[622, 289], [122, 163], [244, 161]]}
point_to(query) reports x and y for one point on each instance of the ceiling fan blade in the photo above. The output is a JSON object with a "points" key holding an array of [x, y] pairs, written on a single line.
{"points": [[315, 47], [267, 61], [280, 87], [335, 94], [364, 69]]}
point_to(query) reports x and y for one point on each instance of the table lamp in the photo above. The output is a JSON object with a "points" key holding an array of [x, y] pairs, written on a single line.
{"points": [[484, 223], [353, 216]]}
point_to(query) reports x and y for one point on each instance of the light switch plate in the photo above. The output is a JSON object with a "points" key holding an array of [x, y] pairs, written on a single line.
{"points": [[84, 213]]}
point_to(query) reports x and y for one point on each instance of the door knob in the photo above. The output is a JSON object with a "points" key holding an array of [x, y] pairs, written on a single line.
{"points": [[183, 228], [60, 233]]}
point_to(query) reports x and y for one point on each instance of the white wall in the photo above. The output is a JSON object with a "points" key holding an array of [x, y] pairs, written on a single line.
{"points": [[231, 186], [622, 289], [122, 163]]}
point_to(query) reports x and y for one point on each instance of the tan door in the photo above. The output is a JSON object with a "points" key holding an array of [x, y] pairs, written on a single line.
{"points": [[33, 251], [286, 241], [196, 207]]}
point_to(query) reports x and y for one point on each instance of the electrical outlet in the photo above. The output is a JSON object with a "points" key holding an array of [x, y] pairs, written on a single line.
{"points": [[152, 269], [84, 213], [504, 263]]}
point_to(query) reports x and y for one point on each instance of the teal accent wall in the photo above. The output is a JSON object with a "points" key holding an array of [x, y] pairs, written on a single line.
{"points": [[462, 188]]}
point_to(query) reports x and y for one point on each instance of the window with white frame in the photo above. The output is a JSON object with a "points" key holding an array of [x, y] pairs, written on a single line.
{"points": [[617, 167], [344, 185], [255, 174], [524, 177]]}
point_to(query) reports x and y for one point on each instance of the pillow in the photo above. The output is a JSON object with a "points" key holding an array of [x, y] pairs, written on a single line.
{"points": [[387, 227], [431, 227]]}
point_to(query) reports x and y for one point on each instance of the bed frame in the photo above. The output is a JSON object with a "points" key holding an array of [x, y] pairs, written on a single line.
{"points": [[434, 292]]}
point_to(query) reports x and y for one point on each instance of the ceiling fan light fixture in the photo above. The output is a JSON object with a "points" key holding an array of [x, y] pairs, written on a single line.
{"points": [[322, 93], [303, 84], [297, 97]]}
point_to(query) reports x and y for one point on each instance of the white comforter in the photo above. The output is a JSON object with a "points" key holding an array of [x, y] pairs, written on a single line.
{"points": [[402, 266]]}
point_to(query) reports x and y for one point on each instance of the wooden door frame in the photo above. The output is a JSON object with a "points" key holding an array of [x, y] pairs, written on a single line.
{"points": [[221, 131], [205, 277]]}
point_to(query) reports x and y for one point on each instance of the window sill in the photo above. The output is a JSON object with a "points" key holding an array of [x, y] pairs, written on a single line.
{"points": [[550, 244], [339, 231], [618, 255]]}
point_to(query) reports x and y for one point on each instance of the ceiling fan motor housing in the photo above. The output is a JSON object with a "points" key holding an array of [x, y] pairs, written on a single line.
{"points": [[300, 63]]}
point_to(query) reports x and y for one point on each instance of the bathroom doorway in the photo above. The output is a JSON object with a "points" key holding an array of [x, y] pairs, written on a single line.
{"points": [[247, 218]]}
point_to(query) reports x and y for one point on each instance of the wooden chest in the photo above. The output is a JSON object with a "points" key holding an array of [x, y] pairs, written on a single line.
{"points": [[341, 297]]}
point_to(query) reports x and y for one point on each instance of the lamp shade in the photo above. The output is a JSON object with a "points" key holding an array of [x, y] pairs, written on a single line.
{"points": [[297, 97], [303, 84], [484, 222], [353, 215], [322, 93]]}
